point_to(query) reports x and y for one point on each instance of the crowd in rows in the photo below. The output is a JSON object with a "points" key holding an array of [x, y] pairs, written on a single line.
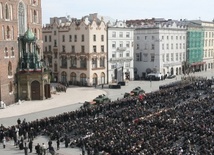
{"points": [[172, 121]]}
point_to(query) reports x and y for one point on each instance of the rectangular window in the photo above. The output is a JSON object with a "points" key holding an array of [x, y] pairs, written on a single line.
{"points": [[63, 48], [127, 34], [121, 55], [162, 46], [153, 46], [153, 38], [163, 57], [49, 48], [137, 56], [171, 46], [152, 57], [46, 49], [63, 38], [113, 34], [145, 37], [121, 44], [70, 38], [176, 45], [49, 38], [172, 56], [167, 57], [54, 32], [180, 56], [113, 44], [94, 48], [73, 49], [167, 46], [138, 37], [138, 46], [176, 57], [127, 44], [75, 38], [94, 37], [102, 37], [171, 37], [113, 55], [55, 43], [127, 54], [83, 38], [102, 48], [121, 34], [162, 37], [184, 46], [83, 49], [46, 39]]}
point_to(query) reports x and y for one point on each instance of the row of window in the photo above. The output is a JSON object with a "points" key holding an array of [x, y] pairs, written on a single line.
{"points": [[120, 34], [162, 38], [6, 11], [114, 45], [8, 53], [120, 54], [72, 38], [127, 64], [83, 62], [145, 57], [152, 46], [73, 50]]}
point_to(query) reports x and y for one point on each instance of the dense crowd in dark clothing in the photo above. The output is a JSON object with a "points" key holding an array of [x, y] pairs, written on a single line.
{"points": [[172, 121]]}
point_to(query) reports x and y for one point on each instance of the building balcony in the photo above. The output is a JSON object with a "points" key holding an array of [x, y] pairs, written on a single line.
{"points": [[124, 59], [121, 49]]}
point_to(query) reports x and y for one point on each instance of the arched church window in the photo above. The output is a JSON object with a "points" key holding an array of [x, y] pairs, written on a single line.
{"points": [[9, 69], [8, 32], [21, 19], [6, 12]]}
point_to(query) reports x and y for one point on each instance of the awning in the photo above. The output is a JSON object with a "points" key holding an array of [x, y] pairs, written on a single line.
{"points": [[197, 63]]}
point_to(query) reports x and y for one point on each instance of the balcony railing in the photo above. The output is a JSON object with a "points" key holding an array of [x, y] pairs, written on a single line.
{"points": [[121, 49], [121, 59]]}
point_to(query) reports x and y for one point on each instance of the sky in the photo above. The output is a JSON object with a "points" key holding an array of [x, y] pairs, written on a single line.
{"points": [[130, 9]]}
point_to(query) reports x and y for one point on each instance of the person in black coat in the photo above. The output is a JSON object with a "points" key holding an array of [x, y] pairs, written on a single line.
{"points": [[30, 145]]}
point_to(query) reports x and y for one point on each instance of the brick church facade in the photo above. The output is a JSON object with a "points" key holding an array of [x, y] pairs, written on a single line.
{"points": [[16, 17]]}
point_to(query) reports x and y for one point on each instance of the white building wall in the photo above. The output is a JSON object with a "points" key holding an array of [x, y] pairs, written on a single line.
{"points": [[120, 52], [160, 49]]}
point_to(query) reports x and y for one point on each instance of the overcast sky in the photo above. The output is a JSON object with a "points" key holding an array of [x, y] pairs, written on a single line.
{"points": [[130, 9]]}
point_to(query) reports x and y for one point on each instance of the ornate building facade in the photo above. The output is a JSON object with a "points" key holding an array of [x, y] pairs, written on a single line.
{"points": [[76, 50], [15, 17]]}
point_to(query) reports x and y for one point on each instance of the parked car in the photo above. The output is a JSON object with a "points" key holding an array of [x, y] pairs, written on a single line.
{"points": [[171, 76], [134, 92]]}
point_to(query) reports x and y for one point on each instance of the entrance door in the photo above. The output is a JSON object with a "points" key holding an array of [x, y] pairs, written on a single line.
{"points": [[47, 91], [35, 90]]}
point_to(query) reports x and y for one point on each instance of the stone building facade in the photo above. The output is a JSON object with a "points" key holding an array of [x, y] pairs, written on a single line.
{"points": [[76, 50], [15, 17]]}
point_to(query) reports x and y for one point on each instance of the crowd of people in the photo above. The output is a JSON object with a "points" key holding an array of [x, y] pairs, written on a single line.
{"points": [[173, 121]]}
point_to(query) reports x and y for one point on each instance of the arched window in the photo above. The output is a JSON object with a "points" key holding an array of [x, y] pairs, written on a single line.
{"points": [[102, 78], [94, 79], [10, 87], [73, 77], [6, 12], [35, 32], [12, 52], [83, 62], [102, 62], [82, 78], [8, 32], [38, 33], [3, 33], [64, 77], [1, 11], [21, 18], [6, 52], [34, 16], [12, 33], [64, 62], [11, 12], [55, 67], [73, 62], [9, 69], [94, 63]]}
